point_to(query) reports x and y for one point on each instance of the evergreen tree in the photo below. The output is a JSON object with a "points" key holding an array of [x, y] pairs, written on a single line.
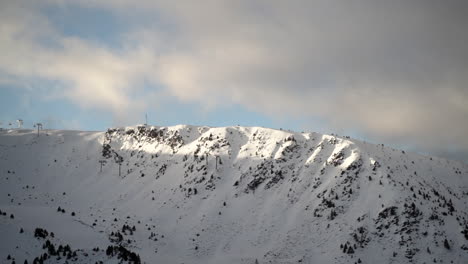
{"points": [[446, 244]]}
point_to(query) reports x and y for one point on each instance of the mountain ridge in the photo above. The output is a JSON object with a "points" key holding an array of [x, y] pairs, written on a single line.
{"points": [[240, 194]]}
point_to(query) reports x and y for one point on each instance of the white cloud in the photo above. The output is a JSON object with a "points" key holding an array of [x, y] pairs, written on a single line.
{"points": [[90, 75]]}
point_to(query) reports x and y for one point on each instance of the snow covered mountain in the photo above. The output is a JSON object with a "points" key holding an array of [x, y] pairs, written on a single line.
{"points": [[187, 194]]}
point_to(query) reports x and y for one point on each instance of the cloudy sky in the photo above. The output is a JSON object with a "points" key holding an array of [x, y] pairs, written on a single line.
{"points": [[393, 72]]}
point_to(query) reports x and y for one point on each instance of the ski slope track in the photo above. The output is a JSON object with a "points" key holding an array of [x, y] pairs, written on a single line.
{"points": [[189, 194]]}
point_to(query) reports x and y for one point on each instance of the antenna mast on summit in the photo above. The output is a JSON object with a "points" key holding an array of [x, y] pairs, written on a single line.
{"points": [[146, 119]]}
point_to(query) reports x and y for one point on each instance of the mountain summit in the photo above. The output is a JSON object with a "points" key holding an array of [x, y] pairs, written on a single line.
{"points": [[188, 194]]}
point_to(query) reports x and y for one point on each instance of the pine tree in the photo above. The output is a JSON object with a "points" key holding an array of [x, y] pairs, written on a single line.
{"points": [[109, 251], [446, 244]]}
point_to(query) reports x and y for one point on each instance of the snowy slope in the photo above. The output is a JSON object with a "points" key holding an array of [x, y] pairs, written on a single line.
{"points": [[227, 195]]}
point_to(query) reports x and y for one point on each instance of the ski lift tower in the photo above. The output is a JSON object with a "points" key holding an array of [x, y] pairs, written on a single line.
{"points": [[103, 162], [119, 160], [39, 127]]}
